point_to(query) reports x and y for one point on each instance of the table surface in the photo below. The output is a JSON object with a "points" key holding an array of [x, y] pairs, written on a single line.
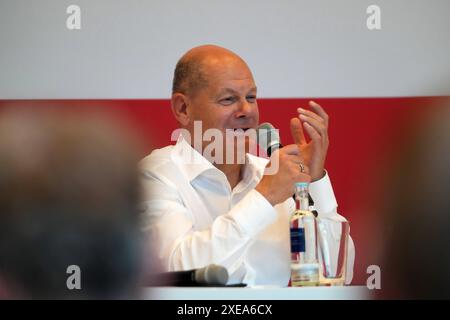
{"points": [[258, 293]]}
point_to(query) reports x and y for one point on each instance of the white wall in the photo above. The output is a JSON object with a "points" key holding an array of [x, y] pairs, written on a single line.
{"points": [[128, 49]]}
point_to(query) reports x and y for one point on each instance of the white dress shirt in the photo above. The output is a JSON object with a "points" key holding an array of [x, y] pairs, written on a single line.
{"points": [[194, 218]]}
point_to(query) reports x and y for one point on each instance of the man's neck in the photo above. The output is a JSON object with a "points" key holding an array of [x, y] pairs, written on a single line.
{"points": [[233, 173]]}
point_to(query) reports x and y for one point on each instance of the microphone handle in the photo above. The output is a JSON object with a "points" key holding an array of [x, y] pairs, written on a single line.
{"points": [[186, 279], [273, 148], [174, 278]]}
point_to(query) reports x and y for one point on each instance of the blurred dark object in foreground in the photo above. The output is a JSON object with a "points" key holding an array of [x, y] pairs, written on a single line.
{"points": [[417, 215], [68, 195]]}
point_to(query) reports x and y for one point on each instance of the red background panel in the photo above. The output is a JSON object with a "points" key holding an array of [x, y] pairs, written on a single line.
{"points": [[365, 136]]}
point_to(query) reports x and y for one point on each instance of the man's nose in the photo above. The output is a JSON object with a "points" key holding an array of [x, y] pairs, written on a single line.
{"points": [[244, 110]]}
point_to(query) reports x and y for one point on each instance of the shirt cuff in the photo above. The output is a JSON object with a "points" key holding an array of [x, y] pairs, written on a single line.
{"points": [[322, 194], [253, 213]]}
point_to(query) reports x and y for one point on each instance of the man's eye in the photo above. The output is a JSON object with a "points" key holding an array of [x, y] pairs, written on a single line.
{"points": [[251, 99], [228, 100]]}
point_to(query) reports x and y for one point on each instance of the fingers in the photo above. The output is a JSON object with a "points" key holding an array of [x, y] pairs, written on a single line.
{"points": [[292, 154], [299, 171], [313, 133], [296, 159], [319, 114], [304, 112], [297, 131], [318, 119], [319, 110], [299, 164], [319, 126], [291, 149]]}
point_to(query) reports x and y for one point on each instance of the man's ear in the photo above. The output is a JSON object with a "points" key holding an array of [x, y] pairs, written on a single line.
{"points": [[180, 108]]}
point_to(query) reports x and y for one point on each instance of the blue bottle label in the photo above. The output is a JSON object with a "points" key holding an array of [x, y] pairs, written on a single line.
{"points": [[297, 240]]}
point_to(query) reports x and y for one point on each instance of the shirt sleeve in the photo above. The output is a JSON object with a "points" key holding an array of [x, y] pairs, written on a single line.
{"points": [[177, 244], [325, 204]]}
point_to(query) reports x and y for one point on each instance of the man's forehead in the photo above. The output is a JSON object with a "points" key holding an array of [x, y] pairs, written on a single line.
{"points": [[236, 89]]}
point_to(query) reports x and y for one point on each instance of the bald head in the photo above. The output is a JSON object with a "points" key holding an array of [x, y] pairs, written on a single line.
{"points": [[195, 67]]}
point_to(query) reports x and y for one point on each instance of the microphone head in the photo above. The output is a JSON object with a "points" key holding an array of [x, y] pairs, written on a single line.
{"points": [[268, 136], [212, 274]]}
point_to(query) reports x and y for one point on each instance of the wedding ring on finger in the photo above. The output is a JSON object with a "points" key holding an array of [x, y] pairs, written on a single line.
{"points": [[302, 167]]}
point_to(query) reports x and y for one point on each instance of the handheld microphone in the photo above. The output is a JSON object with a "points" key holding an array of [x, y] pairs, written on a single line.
{"points": [[268, 138], [211, 275]]}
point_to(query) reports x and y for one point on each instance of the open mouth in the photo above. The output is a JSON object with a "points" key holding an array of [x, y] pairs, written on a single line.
{"points": [[240, 129]]}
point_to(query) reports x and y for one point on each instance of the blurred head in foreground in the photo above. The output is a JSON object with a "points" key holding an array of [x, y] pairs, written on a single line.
{"points": [[417, 254], [68, 195]]}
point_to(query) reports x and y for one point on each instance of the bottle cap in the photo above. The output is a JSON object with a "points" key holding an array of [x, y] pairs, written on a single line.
{"points": [[301, 184]]}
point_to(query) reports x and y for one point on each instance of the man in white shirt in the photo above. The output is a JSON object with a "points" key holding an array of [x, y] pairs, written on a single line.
{"points": [[199, 212]]}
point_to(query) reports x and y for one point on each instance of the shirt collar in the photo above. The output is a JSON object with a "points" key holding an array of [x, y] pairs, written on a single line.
{"points": [[190, 160], [194, 164]]}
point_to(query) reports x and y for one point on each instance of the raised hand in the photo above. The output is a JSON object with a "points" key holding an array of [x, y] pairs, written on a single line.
{"points": [[314, 152]]}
